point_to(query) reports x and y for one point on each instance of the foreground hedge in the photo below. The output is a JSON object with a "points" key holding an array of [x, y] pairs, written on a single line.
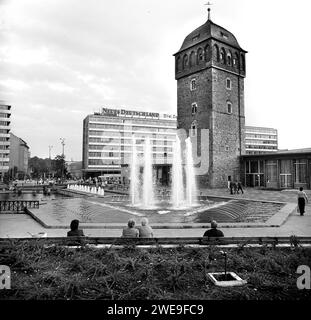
{"points": [[154, 273]]}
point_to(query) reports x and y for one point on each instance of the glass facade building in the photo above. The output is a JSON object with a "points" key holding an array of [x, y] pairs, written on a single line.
{"points": [[108, 142], [260, 140], [286, 169]]}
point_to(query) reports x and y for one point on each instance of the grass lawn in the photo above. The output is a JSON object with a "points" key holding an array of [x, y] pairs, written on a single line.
{"points": [[56, 272]]}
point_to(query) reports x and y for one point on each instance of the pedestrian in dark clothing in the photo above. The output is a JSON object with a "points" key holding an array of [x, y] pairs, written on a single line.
{"points": [[231, 187], [239, 184], [213, 232], [74, 229], [302, 199]]}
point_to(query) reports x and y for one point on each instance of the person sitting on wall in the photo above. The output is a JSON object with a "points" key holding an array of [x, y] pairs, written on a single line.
{"points": [[145, 231], [213, 232], [130, 231], [74, 229]]}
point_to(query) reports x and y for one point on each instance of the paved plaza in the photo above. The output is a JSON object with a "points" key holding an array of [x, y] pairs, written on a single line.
{"points": [[22, 225]]}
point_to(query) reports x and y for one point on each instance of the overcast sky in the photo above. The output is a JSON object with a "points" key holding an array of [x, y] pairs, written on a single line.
{"points": [[62, 60]]}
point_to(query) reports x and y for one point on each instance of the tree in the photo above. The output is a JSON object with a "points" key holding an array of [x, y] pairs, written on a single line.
{"points": [[59, 166], [39, 168]]}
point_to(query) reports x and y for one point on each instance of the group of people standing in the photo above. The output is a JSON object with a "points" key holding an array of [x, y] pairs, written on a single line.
{"points": [[235, 187]]}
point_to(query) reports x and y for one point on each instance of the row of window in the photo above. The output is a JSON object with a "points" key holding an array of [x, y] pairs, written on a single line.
{"points": [[194, 108], [127, 147], [161, 141], [130, 127], [221, 55], [284, 173], [132, 122], [101, 162], [261, 136], [261, 147], [193, 84], [4, 115]]}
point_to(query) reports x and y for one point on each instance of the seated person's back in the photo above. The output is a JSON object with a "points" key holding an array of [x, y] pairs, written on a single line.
{"points": [[74, 229], [145, 231], [75, 233], [130, 231], [213, 232]]}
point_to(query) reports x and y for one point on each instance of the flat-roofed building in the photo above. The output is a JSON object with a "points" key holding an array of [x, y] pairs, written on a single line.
{"points": [[108, 142], [5, 114], [19, 157], [260, 140], [284, 169]]}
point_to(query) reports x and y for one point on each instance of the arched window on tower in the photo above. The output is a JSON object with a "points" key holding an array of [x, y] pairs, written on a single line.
{"points": [[193, 129], [178, 64], [207, 54], [242, 62], [229, 107], [200, 56], [236, 60], [216, 53], [192, 59], [223, 56], [194, 108], [229, 58], [185, 62]]}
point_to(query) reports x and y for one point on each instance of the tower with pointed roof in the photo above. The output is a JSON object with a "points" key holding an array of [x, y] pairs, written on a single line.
{"points": [[210, 72]]}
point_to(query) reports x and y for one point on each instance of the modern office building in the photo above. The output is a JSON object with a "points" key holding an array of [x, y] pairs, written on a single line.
{"points": [[260, 140], [19, 157], [5, 114], [108, 142]]}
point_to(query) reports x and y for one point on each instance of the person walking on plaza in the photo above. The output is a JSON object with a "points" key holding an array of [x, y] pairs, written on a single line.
{"points": [[213, 232], [130, 231], [145, 231], [302, 199], [239, 184], [231, 185]]}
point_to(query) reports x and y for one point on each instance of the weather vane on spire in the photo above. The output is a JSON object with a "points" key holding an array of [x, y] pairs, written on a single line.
{"points": [[208, 9]]}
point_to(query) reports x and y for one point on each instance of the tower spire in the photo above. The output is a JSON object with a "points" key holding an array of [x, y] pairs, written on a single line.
{"points": [[208, 4]]}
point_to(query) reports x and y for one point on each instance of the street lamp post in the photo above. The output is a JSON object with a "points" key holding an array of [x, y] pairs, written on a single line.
{"points": [[62, 141], [50, 147]]}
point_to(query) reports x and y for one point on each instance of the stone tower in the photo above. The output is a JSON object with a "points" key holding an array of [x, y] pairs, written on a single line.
{"points": [[210, 72]]}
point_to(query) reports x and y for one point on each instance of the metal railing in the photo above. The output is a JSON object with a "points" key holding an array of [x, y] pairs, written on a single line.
{"points": [[17, 205]]}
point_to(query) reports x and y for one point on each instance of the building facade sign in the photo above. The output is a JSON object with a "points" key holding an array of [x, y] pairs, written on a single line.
{"points": [[131, 113]]}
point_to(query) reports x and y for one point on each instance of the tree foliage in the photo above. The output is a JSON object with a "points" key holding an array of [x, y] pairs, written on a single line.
{"points": [[41, 168]]}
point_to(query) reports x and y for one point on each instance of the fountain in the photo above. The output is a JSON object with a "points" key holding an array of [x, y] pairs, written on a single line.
{"points": [[134, 175], [190, 176], [181, 197], [148, 193], [86, 189], [177, 177]]}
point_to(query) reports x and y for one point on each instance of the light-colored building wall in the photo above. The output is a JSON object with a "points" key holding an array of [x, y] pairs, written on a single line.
{"points": [[5, 114], [108, 140], [19, 156], [260, 140]]}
